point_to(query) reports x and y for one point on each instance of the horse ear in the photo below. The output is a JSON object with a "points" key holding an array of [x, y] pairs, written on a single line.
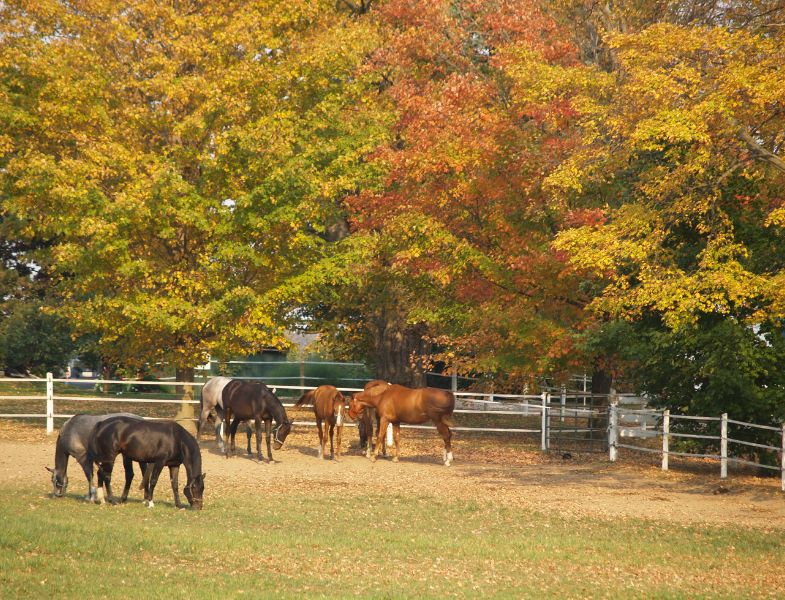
{"points": [[50, 470]]}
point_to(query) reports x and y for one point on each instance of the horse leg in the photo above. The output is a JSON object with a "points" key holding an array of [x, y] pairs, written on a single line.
{"points": [[338, 444], [174, 472], [248, 433], [202, 419], [128, 465], [320, 451], [397, 440], [268, 426], [87, 467], [156, 471], [446, 434], [368, 426], [233, 433], [107, 469], [227, 423], [379, 427], [142, 468], [258, 427], [332, 448], [219, 427], [379, 438], [148, 472]]}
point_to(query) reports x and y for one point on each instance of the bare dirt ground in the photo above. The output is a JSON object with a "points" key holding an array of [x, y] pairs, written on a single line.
{"points": [[486, 469]]}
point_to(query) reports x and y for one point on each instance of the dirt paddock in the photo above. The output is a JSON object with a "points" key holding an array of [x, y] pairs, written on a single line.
{"points": [[487, 469]]}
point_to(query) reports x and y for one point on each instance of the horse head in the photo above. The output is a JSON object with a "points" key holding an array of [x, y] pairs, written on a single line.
{"points": [[280, 432], [194, 491], [356, 407], [59, 483]]}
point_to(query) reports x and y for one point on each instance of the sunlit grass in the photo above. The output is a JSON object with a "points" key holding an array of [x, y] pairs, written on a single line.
{"points": [[291, 546]]}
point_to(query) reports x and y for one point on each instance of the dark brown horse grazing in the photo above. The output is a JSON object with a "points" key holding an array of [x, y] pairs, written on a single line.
{"points": [[159, 444], [397, 404], [328, 406], [244, 400]]}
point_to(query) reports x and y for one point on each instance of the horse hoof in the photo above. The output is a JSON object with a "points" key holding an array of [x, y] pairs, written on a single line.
{"points": [[373, 458], [395, 459]]}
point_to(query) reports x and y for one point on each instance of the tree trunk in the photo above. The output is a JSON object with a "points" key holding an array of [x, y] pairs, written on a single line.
{"points": [[186, 412], [399, 351], [601, 382]]}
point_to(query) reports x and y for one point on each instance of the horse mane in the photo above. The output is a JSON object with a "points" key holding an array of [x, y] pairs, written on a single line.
{"points": [[190, 450]]}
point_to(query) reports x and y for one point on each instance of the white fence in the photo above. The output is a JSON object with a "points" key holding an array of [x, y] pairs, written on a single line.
{"points": [[628, 423], [624, 421], [467, 403]]}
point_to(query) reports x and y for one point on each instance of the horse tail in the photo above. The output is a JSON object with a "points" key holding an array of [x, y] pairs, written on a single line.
{"points": [[306, 398]]}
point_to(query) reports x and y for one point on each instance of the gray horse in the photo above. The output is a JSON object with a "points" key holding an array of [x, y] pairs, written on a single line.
{"points": [[212, 394], [72, 441]]}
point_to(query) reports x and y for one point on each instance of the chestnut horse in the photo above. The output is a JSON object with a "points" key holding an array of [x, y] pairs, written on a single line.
{"points": [[328, 406], [397, 404]]}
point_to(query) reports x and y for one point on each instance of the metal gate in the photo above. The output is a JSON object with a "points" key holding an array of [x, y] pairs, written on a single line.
{"points": [[578, 423]]}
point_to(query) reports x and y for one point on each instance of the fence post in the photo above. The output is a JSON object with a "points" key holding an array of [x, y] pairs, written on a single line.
{"points": [[613, 432], [666, 430], [563, 402], [782, 460], [544, 443], [50, 404], [724, 446]]}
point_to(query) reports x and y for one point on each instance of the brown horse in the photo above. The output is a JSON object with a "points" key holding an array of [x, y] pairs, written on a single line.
{"points": [[367, 417], [397, 404], [328, 406], [243, 401]]}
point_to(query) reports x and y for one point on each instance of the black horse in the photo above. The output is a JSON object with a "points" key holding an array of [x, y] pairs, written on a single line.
{"points": [[158, 444], [72, 441], [244, 400]]}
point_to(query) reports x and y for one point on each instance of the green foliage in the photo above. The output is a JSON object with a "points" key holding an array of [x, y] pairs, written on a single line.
{"points": [[34, 340]]}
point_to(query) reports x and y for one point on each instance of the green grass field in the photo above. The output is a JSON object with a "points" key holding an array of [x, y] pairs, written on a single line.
{"points": [[293, 546]]}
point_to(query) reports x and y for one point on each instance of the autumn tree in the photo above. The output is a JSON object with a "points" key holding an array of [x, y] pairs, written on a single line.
{"points": [[179, 159], [461, 190], [681, 164]]}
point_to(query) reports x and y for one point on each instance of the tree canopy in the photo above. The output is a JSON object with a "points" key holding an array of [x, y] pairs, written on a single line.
{"points": [[520, 189]]}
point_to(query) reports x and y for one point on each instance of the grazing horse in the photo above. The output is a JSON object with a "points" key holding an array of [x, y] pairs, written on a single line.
{"points": [[367, 416], [72, 441], [212, 394], [159, 444], [328, 406], [397, 404], [244, 400]]}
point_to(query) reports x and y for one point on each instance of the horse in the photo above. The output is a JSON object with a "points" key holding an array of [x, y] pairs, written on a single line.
{"points": [[159, 444], [244, 400], [212, 393], [397, 404], [72, 441], [366, 419], [328, 406]]}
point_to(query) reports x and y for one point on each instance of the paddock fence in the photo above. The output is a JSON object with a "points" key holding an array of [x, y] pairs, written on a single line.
{"points": [[713, 438], [55, 399], [569, 421]]}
